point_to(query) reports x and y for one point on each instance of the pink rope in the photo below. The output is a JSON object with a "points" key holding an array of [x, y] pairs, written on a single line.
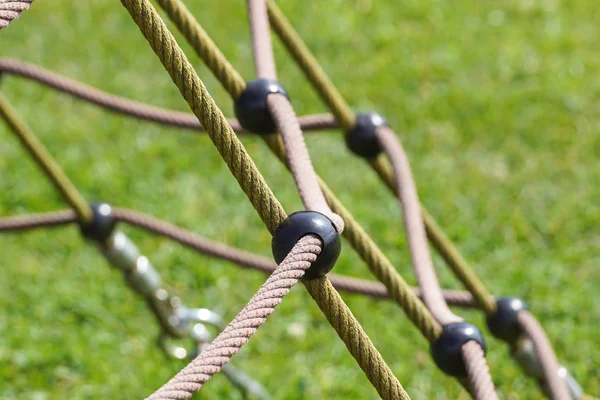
{"points": [[543, 349], [190, 379], [478, 372], [415, 229], [11, 10], [261, 40]]}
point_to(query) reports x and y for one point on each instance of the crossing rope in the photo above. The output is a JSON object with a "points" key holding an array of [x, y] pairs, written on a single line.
{"points": [[291, 150]]}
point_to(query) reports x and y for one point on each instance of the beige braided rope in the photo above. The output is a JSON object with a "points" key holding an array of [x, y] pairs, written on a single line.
{"points": [[478, 372], [11, 10], [244, 325]]}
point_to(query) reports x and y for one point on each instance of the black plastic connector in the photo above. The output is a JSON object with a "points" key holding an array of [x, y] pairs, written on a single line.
{"points": [[361, 138], [102, 224], [300, 224], [251, 107], [504, 324], [446, 350]]}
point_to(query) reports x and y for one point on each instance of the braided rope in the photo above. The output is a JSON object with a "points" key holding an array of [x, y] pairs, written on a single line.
{"points": [[11, 10], [45, 161], [203, 106], [334, 100], [356, 340], [478, 372], [204, 46], [244, 325]]}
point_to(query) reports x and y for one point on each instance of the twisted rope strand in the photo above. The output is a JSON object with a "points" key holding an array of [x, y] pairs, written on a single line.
{"points": [[11, 10], [356, 340], [45, 161], [210, 116], [262, 47], [543, 349], [478, 373], [244, 325], [334, 100]]}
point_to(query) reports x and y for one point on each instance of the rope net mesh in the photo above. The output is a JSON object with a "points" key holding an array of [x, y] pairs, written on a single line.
{"points": [[426, 306]]}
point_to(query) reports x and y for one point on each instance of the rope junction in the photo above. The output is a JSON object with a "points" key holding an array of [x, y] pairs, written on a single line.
{"points": [[263, 108]]}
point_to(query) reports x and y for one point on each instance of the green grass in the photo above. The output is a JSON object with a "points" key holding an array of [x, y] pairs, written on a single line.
{"points": [[497, 105]]}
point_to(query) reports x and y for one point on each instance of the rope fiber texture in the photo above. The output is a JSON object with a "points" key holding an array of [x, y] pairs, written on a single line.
{"points": [[11, 10], [244, 325], [478, 372]]}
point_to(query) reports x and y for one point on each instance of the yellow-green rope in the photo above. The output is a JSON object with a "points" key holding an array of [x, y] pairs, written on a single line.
{"points": [[365, 247], [44, 159], [331, 96], [204, 46], [191, 87]]}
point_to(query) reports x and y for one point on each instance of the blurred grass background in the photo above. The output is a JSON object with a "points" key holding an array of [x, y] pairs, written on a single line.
{"points": [[497, 104]]}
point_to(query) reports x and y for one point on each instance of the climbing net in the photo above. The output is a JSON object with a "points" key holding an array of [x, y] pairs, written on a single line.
{"points": [[305, 244]]}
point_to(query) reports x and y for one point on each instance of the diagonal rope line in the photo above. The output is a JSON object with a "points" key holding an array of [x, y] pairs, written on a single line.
{"points": [[45, 161], [11, 10], [364, 245], [192, 89], [244, 325], [334, 100]]}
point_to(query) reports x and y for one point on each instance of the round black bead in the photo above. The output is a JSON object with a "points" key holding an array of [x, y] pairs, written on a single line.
{"points": [[504, 323], [361, 138], [251, 107], [102, 224], [300, 224], [446, 350]]}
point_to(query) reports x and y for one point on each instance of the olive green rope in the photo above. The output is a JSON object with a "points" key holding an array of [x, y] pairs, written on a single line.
{"points": [[339, 315], [204, 46], [45, 160], [342, 111], [191, 87], [358, 238]]}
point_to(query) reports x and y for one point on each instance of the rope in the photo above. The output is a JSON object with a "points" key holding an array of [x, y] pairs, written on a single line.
{"points": [[244, 325], [11, 10], [362, 243], [192, 89], [204, 46], [543, 349], [377, 262], [321, 82], [132, 108], [415, 230], [444, 246], [262, 47], [45, 161], [215, 249], [356, 340], [31, 221], [203, 106], [478, 373], [334, 100]]}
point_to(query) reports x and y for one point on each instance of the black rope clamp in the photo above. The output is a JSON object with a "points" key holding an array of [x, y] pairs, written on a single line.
{"points": [[504, 324], [446, 350], [300, 224], [251, 107], [102, 224], [361, 138]]}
